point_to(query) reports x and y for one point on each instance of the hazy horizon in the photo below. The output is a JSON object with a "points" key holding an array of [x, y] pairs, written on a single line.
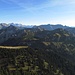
{"points": [[37, 12], [37, 24]]}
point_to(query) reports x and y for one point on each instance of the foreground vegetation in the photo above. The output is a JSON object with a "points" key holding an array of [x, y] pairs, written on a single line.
{"points": [[27, 61]]}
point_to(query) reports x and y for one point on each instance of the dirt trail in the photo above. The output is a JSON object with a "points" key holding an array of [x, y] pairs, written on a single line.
{"points": [[13, 47]]}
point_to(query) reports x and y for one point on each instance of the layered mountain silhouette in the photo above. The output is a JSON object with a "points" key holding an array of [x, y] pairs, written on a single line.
{"points": [[40, 50], [51, 27]]}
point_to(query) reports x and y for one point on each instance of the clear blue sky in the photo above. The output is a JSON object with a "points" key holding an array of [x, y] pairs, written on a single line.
{"points": [[36, 12]]}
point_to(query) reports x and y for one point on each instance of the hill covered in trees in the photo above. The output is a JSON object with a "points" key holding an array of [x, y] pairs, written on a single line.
{"points": [[27, 61]]}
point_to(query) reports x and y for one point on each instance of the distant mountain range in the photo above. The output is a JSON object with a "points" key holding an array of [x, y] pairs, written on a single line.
{"points": [[9, 31], [51, 27], [41, 27], [20, 26], [45, 26]]}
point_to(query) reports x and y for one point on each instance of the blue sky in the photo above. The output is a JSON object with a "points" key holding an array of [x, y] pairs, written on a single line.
{"points": [[36, 12]]}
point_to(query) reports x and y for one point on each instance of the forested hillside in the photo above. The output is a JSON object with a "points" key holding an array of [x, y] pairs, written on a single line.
{"points": [[27, 61]]}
